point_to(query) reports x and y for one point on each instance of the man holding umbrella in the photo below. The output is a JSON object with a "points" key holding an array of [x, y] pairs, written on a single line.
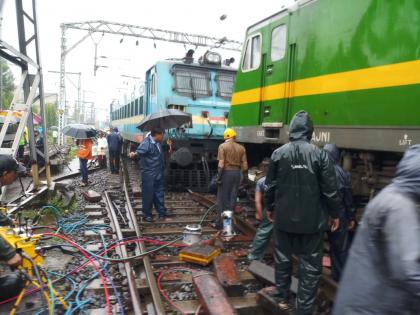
{"points": [[83, 134], [151, 157], [84, 153], [152, 167]]}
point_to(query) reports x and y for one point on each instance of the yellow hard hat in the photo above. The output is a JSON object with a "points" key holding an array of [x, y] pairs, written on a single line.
{"points": [[229, 133]]}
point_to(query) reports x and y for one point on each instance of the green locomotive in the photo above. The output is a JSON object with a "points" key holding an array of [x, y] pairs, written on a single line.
{"points": [[353, 65]]}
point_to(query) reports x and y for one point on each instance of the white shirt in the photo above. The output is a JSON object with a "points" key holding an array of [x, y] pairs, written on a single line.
{"points": [[102, 146]]}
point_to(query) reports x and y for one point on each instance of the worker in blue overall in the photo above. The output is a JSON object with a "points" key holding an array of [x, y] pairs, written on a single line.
{"points": [[340, 239], [265, 228], [152, 167]]}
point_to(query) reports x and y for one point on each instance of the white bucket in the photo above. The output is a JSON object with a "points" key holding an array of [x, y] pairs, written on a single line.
{"points": [[192, 234]]}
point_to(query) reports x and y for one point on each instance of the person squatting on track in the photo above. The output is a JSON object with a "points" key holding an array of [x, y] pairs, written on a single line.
{"points": [[300, 179], [115, 142], [265, 228], [152, 167], [382, 272], [11, 284], [84, 153], [340, 239], [232, 160]]}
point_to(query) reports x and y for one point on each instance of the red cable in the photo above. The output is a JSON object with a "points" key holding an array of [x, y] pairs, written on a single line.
{"points": [[98, 270], [138, 240], [167, 298]]}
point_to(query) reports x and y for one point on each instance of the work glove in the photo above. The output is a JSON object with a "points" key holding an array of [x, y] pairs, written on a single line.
{"points": [[245, 177], [219, 176]]}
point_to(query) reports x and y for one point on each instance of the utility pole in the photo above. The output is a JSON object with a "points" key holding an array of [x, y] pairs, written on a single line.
{"points": [[87, 107], [129, 30], [79, 90]]}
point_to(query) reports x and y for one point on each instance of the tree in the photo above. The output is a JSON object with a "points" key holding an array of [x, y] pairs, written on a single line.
{"points": [[51, 117], [51, 114], [8, 85]]}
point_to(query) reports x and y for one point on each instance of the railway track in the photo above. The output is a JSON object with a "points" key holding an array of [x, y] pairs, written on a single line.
{"points": [[159, 282], [143, 268]]}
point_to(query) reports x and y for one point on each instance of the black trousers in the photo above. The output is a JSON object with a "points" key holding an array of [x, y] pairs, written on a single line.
{"points": [[102, 160], [228, 191], [339, 247], [10, 285], [114, 161], [309, 249]]}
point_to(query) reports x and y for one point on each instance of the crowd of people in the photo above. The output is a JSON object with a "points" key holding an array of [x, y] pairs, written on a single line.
{"points": [[106, 145], [305, 193], [302, 193]]}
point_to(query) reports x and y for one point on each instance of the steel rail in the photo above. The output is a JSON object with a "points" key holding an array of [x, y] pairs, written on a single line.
{"points": [[151, 279], [135, 298]]}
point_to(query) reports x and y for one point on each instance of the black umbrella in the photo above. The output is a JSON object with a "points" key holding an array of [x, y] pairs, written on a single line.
{"points": [[79, 131], [165, 119]]}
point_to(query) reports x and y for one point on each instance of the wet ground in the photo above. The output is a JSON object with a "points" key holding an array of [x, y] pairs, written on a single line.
{"points": [[54, 260]]}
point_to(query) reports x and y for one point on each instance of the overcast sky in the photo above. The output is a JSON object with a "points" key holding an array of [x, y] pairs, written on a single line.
{"points": [[199, 17]]}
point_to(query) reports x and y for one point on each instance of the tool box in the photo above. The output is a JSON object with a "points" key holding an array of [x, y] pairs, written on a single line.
{"points": [[199, 254]]}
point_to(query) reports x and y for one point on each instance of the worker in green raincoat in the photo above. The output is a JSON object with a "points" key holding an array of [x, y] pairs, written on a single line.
{"points": [[300, 179]]}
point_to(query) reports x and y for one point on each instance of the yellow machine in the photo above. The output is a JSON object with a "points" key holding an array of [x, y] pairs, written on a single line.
{"points": [[31, 265], [23, 244], [199, 254]]}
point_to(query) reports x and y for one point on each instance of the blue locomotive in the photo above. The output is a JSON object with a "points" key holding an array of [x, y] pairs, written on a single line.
{"points": [[201, 87]]}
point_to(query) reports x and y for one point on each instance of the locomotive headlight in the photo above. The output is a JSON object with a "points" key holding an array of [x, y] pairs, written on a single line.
{"points": [[212, 58]]}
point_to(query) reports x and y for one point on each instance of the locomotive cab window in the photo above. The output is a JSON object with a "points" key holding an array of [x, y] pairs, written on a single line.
{"points": [[141, 106], [278, 42], [225, 83], [252, 56], [192, 82], [153, 85]]}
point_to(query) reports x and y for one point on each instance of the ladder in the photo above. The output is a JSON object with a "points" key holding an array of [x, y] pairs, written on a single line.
{"points": [[29, 90], [25, 108]]}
